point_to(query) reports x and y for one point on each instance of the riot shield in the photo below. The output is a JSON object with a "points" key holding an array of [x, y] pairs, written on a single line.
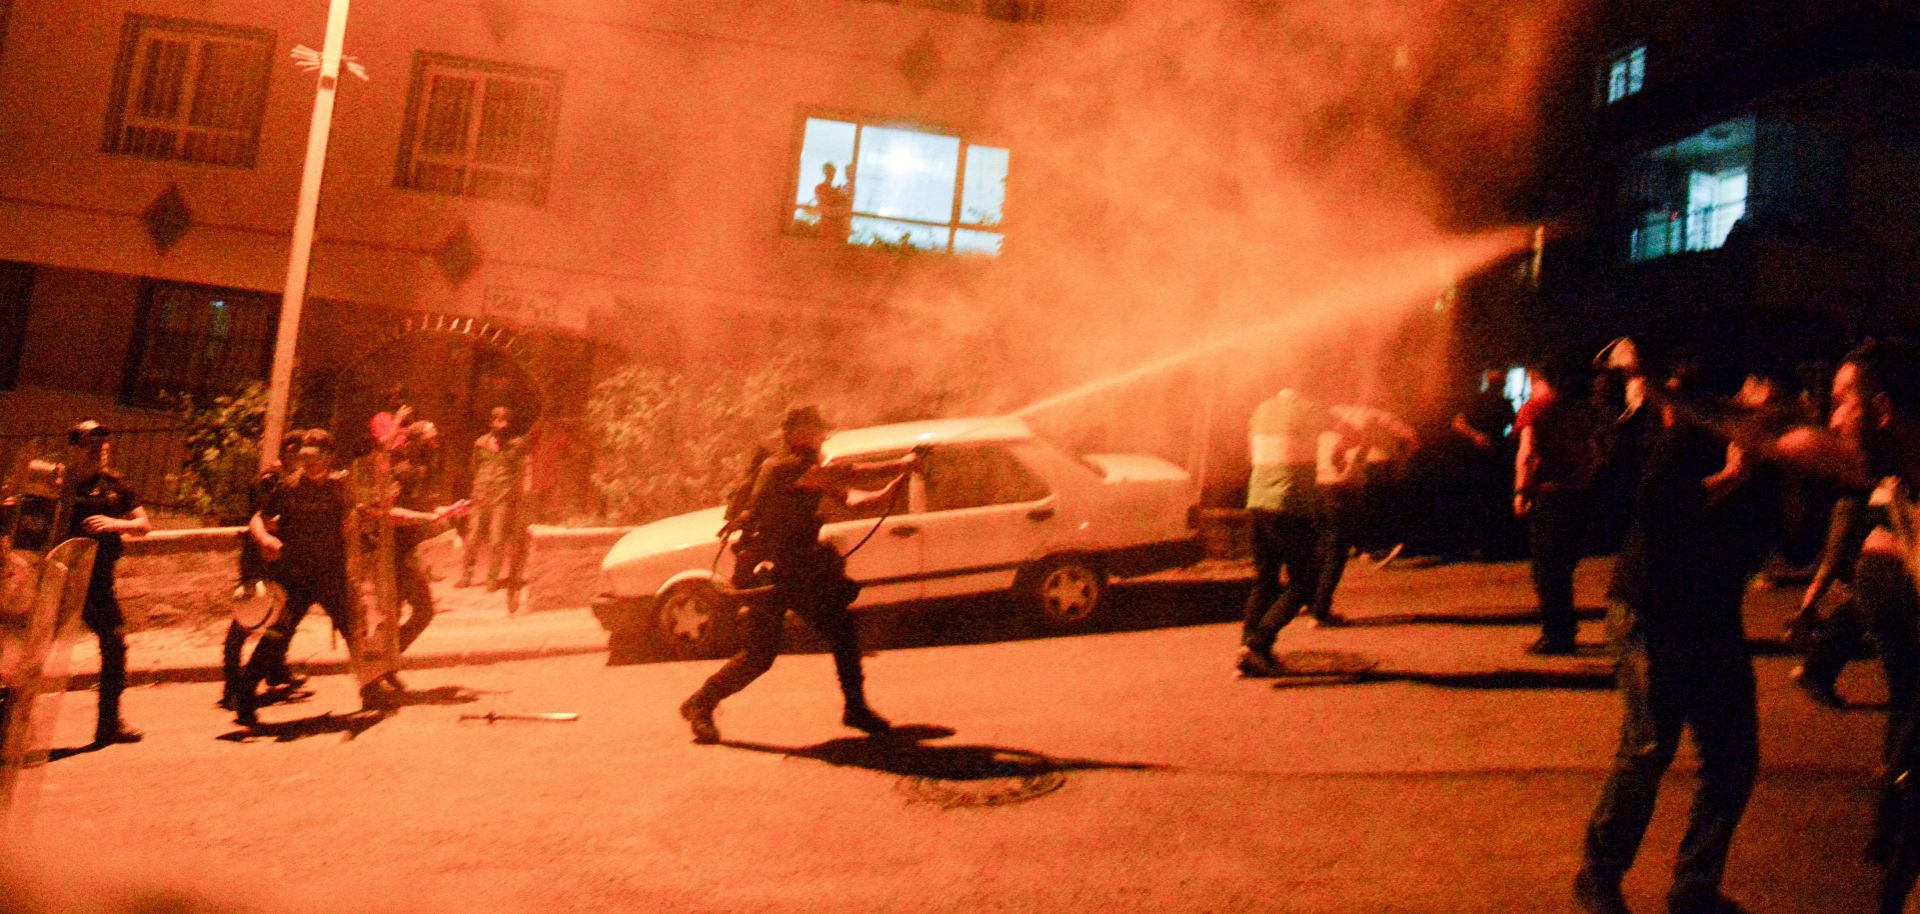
{"points": [[44, 595], [374, 566]]}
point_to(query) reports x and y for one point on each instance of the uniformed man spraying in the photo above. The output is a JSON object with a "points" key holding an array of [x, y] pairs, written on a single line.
{"points": [[780, 527]]}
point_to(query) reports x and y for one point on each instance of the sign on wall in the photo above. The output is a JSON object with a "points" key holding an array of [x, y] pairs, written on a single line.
{"points": [[533, 308]]}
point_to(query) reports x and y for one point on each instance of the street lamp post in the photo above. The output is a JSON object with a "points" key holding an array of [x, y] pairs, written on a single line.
{"points": [[280, 380]]}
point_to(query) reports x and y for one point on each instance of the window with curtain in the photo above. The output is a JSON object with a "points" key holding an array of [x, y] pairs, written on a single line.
{"points": [[479, 129], [189, 91]]}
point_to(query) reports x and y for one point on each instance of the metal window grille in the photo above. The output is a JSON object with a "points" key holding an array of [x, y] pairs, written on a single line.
{"points": [[189, 91], [200, 342], [480, 130]]}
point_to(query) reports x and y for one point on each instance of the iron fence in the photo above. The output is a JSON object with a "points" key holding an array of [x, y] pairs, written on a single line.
{"points": [[150, 459]]}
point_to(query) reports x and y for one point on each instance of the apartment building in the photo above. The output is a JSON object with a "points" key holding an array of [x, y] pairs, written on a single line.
{"points": [[519, 195]]}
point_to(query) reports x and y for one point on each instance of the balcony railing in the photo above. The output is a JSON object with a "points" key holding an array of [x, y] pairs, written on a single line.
{"points": [[1695, 229]]}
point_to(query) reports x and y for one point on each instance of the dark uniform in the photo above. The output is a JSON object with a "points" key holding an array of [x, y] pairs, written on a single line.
{"points": [[105, 494], [415, 588], [1683, 661], [308, 516], [809, 578], [253, 570]]}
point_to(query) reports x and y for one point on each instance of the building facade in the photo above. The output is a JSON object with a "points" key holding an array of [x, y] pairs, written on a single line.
{"points": [[1734, 176], [519, 196]]}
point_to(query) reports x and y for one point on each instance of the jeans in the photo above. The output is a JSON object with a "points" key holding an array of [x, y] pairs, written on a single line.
{"points": [[1280, 542], [814, 586], [1339, 529], [496, 527], [1667, 687], [1554, 531]]}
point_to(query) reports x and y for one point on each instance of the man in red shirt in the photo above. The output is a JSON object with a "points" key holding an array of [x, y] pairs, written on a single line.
{"points": [[1551, 471]]}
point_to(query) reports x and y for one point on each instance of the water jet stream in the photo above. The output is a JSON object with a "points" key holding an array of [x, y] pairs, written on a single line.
{"points": [[1404, 277]]}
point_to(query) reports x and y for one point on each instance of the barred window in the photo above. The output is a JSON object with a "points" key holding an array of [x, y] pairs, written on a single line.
{"points": [[189, 91], [479, 129], [199, 341]]}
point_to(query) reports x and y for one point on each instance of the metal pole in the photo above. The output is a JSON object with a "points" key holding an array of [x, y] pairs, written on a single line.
{"points": [[281, 380]]}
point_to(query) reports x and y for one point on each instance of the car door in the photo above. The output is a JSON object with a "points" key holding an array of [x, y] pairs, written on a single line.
{"points": [[888, 566], [987, 513]]}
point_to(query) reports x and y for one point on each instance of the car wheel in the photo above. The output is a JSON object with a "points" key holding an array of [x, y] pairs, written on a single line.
{"points": [[691, 621], [1064, 591]]}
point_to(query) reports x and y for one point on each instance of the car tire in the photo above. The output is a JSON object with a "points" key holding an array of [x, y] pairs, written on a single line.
{"points": [[1063, 591], [691, 621]]}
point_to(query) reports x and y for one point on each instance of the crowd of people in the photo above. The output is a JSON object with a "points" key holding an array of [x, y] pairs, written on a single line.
{"points": [[1685, 468]]}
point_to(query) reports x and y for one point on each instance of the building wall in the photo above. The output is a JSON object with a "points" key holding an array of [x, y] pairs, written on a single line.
{"points": [[673, 165]]}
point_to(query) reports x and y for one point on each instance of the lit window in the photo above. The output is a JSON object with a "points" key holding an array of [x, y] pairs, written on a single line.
{"points": [[479, 129], [1690, 194], [199, 341], [1623, 74], [896, 187], [191, 91]]}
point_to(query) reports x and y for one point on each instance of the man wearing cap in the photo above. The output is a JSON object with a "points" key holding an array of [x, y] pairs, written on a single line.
{"points": [[105, 509], [781, 526]]}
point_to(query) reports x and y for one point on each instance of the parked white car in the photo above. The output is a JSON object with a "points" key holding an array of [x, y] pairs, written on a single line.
{"points": [[992, 508]]}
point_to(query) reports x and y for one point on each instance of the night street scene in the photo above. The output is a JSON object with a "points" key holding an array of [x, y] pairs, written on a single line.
{"points": [[873, 456]]}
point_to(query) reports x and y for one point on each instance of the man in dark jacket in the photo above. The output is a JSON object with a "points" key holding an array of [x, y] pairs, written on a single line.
{"points": [[1682, 662]]}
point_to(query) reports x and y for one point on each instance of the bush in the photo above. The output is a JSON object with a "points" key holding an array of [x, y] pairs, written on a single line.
{"points": [[670, 442], [667, 442], [223, 452]]}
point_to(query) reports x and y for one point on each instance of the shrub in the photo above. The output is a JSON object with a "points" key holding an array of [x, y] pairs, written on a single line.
{"points": [[223, 452]]}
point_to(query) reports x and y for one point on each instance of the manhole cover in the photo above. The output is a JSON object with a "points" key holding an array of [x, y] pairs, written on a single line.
{"points": [[998, 778], [1326, 663]]}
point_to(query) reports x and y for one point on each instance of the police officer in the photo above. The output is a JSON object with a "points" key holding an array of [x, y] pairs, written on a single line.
{"points": [[781, 525], [301, 530], [105, 509]]}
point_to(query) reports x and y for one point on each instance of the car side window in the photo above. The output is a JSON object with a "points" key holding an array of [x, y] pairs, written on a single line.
{"points": [[975, 477], [833, 512]]}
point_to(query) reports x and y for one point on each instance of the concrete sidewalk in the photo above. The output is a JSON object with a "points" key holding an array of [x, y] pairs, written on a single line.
{"points": [[470, 627], [1395, 613]]}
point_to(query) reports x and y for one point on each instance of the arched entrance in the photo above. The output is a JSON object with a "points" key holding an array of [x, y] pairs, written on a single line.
{"points": [[456, 369]]}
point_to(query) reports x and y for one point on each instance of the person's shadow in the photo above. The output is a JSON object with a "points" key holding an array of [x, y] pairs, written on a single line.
{"points": [[904, 752], [352, 724]]}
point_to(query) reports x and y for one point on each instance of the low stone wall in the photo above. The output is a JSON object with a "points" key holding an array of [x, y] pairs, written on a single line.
{"points": [[185, 577]]}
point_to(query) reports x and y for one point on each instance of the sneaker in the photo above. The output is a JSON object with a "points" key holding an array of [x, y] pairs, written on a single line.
{"points": [[1822, 693], [1552, 647], [1330, 620], [1597, 896], [286, 680], [864, 720], [1391, 554], [700, 718], [1252, 664]]}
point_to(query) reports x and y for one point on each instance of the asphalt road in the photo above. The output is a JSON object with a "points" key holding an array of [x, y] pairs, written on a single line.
{"points": [[1120, 771]]}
